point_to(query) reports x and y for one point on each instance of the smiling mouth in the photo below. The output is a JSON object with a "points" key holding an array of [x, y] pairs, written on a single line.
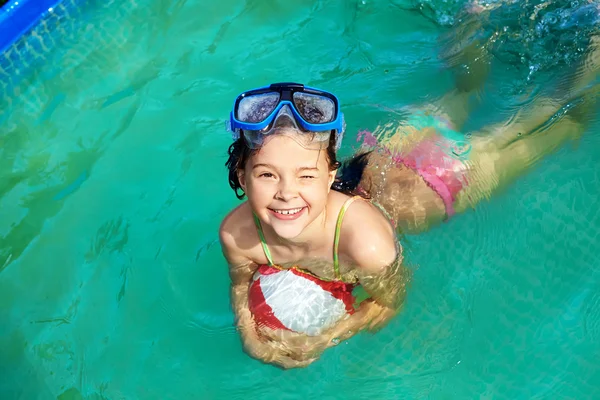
{"points": [[291, 211]]}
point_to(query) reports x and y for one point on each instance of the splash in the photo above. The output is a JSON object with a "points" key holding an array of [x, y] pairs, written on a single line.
{"points": [[538, 36]]}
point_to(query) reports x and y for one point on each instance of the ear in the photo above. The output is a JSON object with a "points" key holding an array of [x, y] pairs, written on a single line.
{"points": [[331, 178], [242, 178]]}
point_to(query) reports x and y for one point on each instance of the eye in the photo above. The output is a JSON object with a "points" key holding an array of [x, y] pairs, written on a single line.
{"points": [[266, 175], [308, 177]]}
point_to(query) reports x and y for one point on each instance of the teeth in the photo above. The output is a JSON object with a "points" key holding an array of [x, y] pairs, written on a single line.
{"points": [[289, 212]]}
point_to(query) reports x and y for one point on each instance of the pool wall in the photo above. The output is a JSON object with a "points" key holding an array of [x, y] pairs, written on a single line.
{"points": [[17, 17], [28, 29]]}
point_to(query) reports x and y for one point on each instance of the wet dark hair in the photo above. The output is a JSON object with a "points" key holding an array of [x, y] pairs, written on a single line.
{"points": [[347, 179]]}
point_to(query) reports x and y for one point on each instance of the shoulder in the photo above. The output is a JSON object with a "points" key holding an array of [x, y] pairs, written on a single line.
{"points": [[367, 239], [236, 233]]}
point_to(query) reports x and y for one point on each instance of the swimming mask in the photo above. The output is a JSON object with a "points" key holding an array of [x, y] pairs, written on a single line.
{"points": [[310, 115]]}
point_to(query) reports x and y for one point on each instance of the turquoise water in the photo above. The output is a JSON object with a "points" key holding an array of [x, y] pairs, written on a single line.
{"points": [[112, 188]]}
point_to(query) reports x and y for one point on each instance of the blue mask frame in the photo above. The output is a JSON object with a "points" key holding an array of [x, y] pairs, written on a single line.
{"points": [[286, 91]]}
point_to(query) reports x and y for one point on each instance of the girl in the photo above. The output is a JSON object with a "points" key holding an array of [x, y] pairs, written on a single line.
{"points": [[313, 252], [332, 241]]}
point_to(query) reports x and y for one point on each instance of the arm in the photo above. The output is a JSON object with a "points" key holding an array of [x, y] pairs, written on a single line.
{"points": [[371, 246], [386, 285], [241, 271], [240, 282]]}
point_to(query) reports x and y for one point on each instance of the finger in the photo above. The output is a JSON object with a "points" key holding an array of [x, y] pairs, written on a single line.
{"points": [[263, 330], [287, 363], [305, 363], [309, 354]]}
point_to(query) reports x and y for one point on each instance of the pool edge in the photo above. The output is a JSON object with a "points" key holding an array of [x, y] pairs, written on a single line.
{"points": [[18, 17]]}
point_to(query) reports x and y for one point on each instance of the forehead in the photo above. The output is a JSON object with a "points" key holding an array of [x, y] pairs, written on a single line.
{"points": [[283, 151]]}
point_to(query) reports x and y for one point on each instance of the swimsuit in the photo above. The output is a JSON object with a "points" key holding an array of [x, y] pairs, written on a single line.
{"points": [[442, 172], [438, 160]]}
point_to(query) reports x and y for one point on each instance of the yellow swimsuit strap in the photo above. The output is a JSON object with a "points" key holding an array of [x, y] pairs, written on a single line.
{"points": [[336, 238], [263, 242]]}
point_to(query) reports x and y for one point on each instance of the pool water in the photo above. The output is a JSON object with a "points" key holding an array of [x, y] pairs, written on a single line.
{"points": [[113, 186]]}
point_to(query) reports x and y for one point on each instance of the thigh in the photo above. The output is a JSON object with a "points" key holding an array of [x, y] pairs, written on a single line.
{"points": [[494, 164]]}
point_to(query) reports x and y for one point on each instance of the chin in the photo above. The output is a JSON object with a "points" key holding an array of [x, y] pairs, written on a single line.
{"points": [[288, 229]]}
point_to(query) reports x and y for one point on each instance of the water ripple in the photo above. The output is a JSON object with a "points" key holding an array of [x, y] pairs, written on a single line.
{"points": [[495, 289], [112, 236], [210, 324]]}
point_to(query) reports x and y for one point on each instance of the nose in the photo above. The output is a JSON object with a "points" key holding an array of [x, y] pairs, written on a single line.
{"points": [[287, 190]]}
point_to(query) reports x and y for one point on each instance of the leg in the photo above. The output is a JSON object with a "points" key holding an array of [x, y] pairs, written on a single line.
{"points": [[468, 59], [502, 152], [492, 168]]}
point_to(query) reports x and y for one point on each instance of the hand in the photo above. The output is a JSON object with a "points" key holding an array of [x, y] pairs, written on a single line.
{"points": [[377, 315], [273, 353], [298, 346], [288, 363]]}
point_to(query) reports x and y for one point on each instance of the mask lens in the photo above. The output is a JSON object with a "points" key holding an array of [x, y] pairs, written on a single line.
{"points": [[314, 109], [256, 108]]}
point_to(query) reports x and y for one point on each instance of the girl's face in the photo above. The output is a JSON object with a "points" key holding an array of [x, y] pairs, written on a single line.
{"points": [[287, 185]]}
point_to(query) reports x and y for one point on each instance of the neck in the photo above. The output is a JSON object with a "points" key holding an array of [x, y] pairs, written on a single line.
{"points": [[309, 238]]}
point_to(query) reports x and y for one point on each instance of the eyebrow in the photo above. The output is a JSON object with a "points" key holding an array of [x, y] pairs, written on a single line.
{"points": [[308, 169], [272, 167], [263, 165]]}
